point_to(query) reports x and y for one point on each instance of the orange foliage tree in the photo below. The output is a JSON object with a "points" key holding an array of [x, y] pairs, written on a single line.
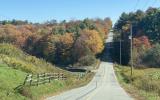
{"points": [[55, 48], [141, 41], [141, 45], [89, 40], [16, 35], [64, 48]]}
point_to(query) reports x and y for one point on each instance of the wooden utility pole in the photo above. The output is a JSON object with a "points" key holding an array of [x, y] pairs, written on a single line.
{"points": [[131, 38], [120, 52]]}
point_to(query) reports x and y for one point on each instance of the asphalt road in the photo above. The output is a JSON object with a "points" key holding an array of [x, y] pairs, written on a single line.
{"points": [[104, 86]]}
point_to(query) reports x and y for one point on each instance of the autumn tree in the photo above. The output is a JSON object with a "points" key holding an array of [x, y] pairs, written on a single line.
{"points": [[88, 42], [45, 47], [60, 43], [55, 48], [140, 46], [10, 34], [64, 49], [143, 24]]}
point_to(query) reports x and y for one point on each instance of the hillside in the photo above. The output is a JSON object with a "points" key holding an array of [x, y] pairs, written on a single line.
{"points": [[17, 59], [10, 79], [49, 48], [15, 65]]}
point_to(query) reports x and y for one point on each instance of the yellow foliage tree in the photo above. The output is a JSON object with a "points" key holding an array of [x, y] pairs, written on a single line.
{"points": [[64, 47], [90, 39]]}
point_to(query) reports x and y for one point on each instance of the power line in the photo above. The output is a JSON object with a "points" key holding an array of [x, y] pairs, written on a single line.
{"points": [[148, 2], [137, 3], [154, 2], [145, 5]]}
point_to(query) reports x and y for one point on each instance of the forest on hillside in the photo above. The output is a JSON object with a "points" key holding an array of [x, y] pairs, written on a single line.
{"points": [[76, 42], [146, 38]]}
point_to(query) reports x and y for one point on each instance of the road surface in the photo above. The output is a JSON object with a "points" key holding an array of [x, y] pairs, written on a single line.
{"points": [[104, 86]]}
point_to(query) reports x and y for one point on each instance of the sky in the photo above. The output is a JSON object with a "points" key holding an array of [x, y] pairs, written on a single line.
{"points": [[43, 10]]}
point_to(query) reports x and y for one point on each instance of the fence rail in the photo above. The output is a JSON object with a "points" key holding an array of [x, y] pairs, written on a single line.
{"points": [[43, 78]]}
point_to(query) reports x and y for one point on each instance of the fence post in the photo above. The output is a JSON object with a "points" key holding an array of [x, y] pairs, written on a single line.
{"points": [[49, 78], [25, 79], [62, 76], [37, 79], [44, 78], [58, 76], [30, 83]]}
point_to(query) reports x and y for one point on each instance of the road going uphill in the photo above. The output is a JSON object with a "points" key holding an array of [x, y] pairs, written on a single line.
{"points": [[104, 85]]}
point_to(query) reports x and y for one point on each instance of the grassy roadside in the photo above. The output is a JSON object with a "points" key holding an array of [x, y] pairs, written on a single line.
{"points": [[74, 82], [145, 84], [67, 85], [11, 78], [15, 65]]}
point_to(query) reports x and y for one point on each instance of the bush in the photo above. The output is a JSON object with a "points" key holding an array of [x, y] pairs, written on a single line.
{"points": [[10, 50], [152, 56], [138, 55], [87, 60]]}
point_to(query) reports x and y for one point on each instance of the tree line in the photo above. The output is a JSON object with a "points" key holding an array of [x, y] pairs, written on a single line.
{"points": [[146, 37], [76, 42]]}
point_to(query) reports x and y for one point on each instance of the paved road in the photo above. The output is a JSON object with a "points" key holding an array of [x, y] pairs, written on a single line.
{"points": [[104, 86]]}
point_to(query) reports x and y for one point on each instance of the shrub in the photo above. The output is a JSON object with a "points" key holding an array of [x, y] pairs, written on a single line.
{"points": [[17, 64], [87, 60], [140, 46], [10, 50], [152, 56]]}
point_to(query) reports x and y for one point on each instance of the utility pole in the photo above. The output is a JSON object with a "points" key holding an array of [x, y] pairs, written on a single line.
{"points": [[120, 51], [131, 37]]}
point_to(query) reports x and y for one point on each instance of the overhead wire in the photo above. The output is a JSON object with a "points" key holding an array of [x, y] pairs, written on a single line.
{"points": [[146, 4], [135, 7], [155, 1]]}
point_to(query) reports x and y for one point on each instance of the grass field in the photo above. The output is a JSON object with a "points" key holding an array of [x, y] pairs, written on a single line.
{"points": [[145, 83], [11, 78], [15, 65]]}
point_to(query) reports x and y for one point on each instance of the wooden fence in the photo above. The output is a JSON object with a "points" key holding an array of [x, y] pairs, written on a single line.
{"points": [[38, 79]]}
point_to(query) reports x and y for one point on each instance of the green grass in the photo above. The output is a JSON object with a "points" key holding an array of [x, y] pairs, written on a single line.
{"points": [[9, 80], [145, 83], [41, 91], [15, 65], [55, 87]]}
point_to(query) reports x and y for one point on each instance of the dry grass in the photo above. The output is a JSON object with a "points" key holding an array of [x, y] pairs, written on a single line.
{"points": [[145, 82]]}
